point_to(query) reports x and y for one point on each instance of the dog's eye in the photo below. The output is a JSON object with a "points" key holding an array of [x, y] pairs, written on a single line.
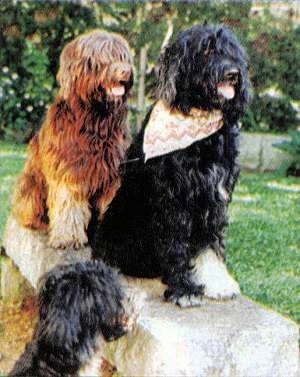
{"points": [[232, 77]]}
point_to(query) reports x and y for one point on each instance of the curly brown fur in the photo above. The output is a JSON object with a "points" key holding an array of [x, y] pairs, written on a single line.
{"points": [[73, 161]]}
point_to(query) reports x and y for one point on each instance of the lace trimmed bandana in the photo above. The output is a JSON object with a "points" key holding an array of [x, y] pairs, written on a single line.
{"points": [[169, 130]]}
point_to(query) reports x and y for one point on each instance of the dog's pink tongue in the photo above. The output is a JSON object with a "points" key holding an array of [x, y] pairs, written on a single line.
{"points": [[118, 90], [226, 90]]}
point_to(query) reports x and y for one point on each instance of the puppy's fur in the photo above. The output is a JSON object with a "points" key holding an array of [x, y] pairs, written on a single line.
{"points": [[73, 161], [81, 306], [169, 217]]}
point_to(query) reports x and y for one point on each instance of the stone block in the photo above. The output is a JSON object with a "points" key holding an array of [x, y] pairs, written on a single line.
{"points": [[250, 151], [30, 251], [257, 152], [272, 157], [236, 338]]}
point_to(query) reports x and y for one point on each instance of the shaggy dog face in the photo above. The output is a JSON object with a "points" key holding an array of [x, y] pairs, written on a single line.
{"points": [[96, 66], [170, 214], [73, 162], [81, 306], [204, 68]]}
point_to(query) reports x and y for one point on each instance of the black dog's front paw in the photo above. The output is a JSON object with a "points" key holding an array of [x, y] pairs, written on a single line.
{"points": [[185, 296]]}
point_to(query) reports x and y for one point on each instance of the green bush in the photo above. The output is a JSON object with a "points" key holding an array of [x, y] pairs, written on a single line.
{"points": [[25, 94], [270, 114], [292, 147], [33, 33]]}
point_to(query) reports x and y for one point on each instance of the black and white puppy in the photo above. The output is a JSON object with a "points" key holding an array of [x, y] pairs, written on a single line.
{"points": [[169, 216], [81, 306]]}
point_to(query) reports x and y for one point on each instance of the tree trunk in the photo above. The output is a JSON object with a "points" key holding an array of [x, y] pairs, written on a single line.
{"points": [[141, 88]]}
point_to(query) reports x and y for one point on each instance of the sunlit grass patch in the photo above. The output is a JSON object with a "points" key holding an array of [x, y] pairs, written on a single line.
{"points": [[283, 187], [11, 148], [245, 198], [12, 158], [264, 241]]}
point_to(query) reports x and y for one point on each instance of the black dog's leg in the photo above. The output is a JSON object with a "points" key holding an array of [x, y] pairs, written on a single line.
{"points": [[210, 271], [172, 228]]}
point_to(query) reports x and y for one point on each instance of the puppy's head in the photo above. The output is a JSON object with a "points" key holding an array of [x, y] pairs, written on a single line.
{"points": [[80, 306], [96, 66], [204, 67]]}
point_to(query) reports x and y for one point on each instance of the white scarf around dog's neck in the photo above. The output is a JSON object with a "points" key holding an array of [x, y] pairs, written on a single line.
{"points": [[169, 130]]}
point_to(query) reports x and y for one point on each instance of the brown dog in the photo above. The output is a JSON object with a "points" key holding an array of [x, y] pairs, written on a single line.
{"points": [[73, 162]]}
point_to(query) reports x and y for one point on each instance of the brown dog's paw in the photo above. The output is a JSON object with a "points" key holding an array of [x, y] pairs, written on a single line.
{"points": [[68, 234], [71, 242]]}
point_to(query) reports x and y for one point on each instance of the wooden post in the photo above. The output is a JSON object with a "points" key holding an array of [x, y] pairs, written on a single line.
{"points": [[168, 33], [141, 88]]}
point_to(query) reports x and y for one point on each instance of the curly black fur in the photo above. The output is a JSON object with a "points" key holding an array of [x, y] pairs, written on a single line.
{"points": [[193, 65], [79, 303], [170, 208]]}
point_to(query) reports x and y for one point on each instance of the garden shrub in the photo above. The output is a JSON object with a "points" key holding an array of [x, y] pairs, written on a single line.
{"points": [[33, 33], [270, 114], [292, 147], [25, 94]]}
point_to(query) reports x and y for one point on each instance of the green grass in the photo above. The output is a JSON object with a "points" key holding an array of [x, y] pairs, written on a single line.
{"points": [[263, 240], [12, 159]]}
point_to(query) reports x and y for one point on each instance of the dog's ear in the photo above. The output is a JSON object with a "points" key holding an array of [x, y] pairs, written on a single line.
{"points": [[78, 302], [58, 321], [219, 32], [65, 63], [167, 75], [210, 44]]}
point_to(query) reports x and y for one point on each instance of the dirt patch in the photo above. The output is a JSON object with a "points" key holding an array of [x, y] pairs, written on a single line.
{"points": [[16, 328]]}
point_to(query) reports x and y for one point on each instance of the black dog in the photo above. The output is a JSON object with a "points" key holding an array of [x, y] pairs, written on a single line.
{"points": [[81, 305], [169, 216]]}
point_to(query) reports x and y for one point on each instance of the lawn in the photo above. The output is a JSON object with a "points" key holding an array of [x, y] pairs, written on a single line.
{"points": [[12, 159], [263, 239]]}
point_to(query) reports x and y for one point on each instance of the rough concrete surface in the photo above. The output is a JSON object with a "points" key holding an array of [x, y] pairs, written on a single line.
{"points": [[257, 152], [30, 251], [220, 339]]}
